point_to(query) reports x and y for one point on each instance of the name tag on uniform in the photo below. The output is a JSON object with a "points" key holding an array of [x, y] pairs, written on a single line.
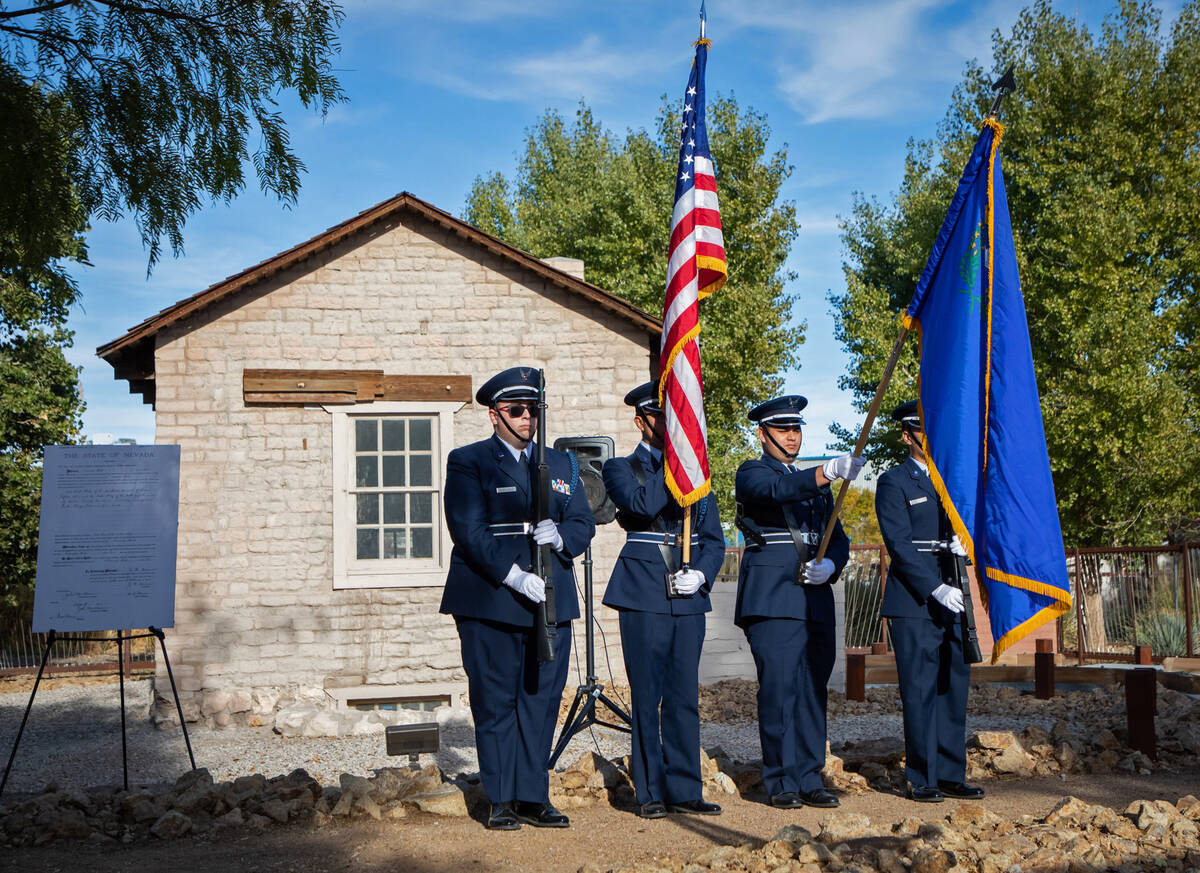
{"points": [[918, 500], [507, 489]]}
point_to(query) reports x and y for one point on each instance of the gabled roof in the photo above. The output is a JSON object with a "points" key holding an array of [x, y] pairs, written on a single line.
{"points": [[132, 354]]}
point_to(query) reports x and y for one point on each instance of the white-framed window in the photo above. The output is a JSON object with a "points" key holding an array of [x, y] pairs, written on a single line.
{"points": [[389, 459]]}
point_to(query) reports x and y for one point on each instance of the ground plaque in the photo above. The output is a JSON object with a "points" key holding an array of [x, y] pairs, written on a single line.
{"points": [[106, 546]]}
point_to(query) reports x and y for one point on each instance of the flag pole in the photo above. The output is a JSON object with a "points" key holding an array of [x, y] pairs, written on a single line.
{"points": [[1003, 86], [862, 437], [687, 510]]}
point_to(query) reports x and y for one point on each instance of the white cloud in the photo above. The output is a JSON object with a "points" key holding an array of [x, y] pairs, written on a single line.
{"points": [[865, 60], [455, 10], [592, 68]]}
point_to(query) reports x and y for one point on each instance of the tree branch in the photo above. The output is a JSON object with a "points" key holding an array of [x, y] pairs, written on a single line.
{"points": [[37, 10]]}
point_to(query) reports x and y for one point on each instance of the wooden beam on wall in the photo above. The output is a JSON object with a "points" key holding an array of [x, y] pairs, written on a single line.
{"points": [[304, 387]]}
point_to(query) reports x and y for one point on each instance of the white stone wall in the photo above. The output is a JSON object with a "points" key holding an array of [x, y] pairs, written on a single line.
{"points": [[255, 604]]}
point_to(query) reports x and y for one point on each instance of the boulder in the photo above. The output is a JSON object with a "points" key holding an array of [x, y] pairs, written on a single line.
{"points": [[842, 826], [1014, 759], [995, 740], [446, 800], [171, 826]]}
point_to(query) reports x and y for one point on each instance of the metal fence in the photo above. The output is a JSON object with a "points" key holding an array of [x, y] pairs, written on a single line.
{"points": [[21, 652], [1129, 597], [863, 579]]}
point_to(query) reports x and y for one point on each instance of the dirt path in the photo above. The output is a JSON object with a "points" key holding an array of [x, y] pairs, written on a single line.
{"points": [[600, 835]]}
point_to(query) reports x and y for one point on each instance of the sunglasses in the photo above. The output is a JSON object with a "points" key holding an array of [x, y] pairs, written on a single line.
{"points": [[518, 410]]}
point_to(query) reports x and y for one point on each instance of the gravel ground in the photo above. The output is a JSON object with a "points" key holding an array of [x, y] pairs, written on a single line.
{"points": [[73, 737]]}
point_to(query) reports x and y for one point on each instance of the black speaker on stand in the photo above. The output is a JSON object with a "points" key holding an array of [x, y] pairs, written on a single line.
{"points": [[591, 452]]}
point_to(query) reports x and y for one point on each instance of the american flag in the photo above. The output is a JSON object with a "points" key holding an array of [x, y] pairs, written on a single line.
{"points": [[695, 269]]}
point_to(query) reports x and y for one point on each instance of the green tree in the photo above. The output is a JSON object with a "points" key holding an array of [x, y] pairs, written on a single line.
{"points": [[1102, 167], [165, 97], [581, 192], [112, 108]]}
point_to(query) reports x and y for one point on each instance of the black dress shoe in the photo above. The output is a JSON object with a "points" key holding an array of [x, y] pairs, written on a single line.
{"points": [[653, 809], [925, 794], [695, 807], [541, 815], [820, 797], [961, 790], [502, 818], [786, 800]]}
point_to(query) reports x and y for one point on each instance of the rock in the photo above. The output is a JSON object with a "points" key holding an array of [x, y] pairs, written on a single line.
{"points": [[1107, 740], [1146, 814], [213, 702], [889, 862], [344, 805], [883, 750], [1066, 756], [724, 783], [66, 824], [322, 723], [241, 701], [971, 814], [171, 826], [843, 826], [354, 786], [364, 803], [253, 785], [794, 834], [997, 740], [191, 779], [1014, 759], [232, 819], [445, 801], [291, 720], [1188, 738], [933, 861], [1060, 732], [1188, 804], [1034, 736], [276, 810], [1071, 811]]}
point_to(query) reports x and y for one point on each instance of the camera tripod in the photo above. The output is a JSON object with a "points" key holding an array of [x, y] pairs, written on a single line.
{"points": [[582, 714]]}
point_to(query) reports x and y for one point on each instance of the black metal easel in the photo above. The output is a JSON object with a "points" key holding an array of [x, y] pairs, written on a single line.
{"points": [[582, 714], [51, 638]]}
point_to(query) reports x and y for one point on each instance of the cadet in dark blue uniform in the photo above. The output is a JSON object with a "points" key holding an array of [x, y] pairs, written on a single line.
{"points": [[785, 599], [492, 595], [922, 602], [661, 635]]}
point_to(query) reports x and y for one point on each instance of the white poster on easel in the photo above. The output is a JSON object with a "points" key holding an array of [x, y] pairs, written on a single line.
{"points": [[106, 545]]}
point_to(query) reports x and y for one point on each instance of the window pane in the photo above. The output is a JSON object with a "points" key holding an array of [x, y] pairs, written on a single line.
{"points": [[394, 543], [368, 509], [421, 469], [393, 470], [422, 542], [365, 439], [393, 508], [419, 434], [368, 542], [366, 471], [393, 435], [422, 508]]}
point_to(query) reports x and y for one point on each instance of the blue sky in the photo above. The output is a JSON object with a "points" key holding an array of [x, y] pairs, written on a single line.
{"points": [[441, 91]]}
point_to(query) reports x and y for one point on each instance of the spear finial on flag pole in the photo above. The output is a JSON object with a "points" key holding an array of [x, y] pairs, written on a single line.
{"points": [[695, 269], [703, 19]]}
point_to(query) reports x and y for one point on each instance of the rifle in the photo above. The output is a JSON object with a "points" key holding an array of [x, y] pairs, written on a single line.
{"points": [[972, 654], [545, 627]]}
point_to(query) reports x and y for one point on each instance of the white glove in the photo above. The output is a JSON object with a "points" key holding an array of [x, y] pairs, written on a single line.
{"points": [[957, 547], [688, 582], [949, 597], [545, 533], [532, 586], [818, 572], [843, 467]]}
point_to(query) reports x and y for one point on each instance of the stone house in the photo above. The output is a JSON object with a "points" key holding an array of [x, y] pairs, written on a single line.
{"points": [[315, 397]]}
